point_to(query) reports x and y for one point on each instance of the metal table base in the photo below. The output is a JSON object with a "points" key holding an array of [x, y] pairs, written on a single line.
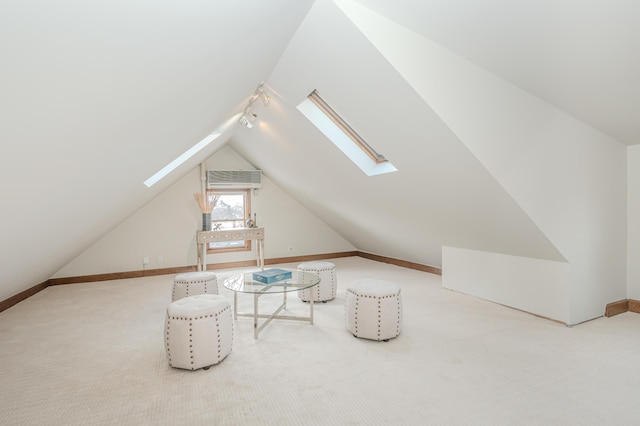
{"points": [[258, 328]]}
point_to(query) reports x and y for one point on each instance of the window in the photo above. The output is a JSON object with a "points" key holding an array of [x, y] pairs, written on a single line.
{"points": [[231, 211], [343, 136]]}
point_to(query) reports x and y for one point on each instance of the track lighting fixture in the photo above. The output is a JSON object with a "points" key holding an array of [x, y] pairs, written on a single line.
{"points": [[249, 115], [245, 122], [264, 95]]}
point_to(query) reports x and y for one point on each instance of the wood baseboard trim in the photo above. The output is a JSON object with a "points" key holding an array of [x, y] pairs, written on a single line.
{"points": [[402, 263], [621, 306], [119, 275], [6, 304], [615, 308], [14, 300], [182, 269], [309, 258]]}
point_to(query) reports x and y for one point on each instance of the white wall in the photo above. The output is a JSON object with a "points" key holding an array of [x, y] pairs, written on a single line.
{"points": [[569, 178], [167, 225], [441, 194], [633, 222], [537, 286]]}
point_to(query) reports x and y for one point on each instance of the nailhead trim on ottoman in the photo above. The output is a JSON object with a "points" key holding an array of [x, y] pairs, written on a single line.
{"points": [[198, 331], [324, 291], [192, 283], [373, 309]]}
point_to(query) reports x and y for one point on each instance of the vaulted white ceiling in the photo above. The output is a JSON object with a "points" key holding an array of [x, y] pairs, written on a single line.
{"points": [[581, 56], [96, 97]]}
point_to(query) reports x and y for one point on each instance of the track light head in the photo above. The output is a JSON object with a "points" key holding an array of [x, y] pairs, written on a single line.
{"points": [[248, 117], [265, 96], [245, 122], [251, 116]]}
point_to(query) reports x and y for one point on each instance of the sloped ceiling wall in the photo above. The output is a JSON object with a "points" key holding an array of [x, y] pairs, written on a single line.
{"points": [[537, 152], [580, 56], [440, 195], [98, 96], [472, 152]]}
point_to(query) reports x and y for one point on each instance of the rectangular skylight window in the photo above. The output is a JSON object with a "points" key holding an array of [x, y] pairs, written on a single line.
{"points": [[181, 159], [334, 127]]}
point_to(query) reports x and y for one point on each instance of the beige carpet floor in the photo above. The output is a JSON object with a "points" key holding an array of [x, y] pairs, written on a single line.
{"points": [[93, 354]]}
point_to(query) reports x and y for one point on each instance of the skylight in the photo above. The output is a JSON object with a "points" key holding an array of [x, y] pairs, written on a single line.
{"points": [[181, 159], [334, 127]]}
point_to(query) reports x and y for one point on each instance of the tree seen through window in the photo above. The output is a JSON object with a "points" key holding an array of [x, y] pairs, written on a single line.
{"points": [[231, 211]]}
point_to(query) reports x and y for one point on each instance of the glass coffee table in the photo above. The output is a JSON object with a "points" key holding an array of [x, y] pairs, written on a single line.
{"points": [[244, 283]]}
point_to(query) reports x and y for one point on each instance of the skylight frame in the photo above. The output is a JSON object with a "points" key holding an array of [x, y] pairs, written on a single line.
{"points": [[160, 174], [343, 136], [344, 126]]}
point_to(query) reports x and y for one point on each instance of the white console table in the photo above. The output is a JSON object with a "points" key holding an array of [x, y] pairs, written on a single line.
{"points": [[236, 234]]}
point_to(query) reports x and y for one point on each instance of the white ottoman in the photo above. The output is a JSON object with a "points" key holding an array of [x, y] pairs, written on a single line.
{"points": [[192, 283], [198, 331], [373, 309], [324, 291]]}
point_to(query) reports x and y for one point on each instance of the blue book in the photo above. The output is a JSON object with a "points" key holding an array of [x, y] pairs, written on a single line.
{"points": [[273, 275]]}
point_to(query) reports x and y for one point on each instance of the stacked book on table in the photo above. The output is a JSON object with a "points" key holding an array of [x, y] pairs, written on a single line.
{"points": [[270, 276]]}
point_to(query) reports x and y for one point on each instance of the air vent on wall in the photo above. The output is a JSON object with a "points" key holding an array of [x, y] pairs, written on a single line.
{"points": [[229, 179]]}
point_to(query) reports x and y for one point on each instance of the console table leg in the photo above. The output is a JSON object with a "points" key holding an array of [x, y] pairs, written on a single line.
{"points": [[255, 316]]}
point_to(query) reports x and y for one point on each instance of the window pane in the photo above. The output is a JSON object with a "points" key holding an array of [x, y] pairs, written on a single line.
{"points": [[336, 129], [229, 213], [229, 207], [226, 244]]}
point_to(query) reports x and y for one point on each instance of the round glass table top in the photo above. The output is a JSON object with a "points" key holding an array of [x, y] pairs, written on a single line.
{"points": [[244, 283]]}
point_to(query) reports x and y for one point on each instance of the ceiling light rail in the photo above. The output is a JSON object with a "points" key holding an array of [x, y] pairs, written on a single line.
{"points": [[249, 115]]}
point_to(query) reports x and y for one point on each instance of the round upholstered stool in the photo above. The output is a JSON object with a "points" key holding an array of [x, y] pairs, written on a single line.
{"points": [[324, 291], [198, 331], [192, 283], [373, 309]]}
